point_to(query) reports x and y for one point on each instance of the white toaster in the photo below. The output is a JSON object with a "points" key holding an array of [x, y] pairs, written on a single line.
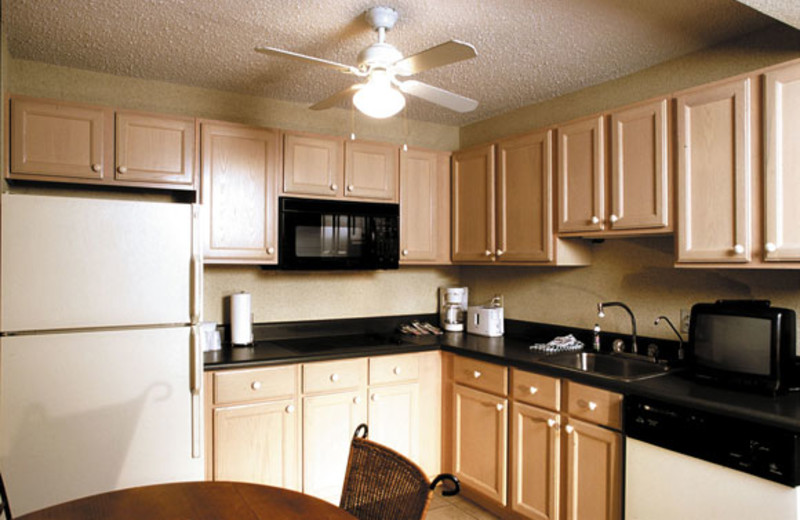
{"points": [[485, 320]]}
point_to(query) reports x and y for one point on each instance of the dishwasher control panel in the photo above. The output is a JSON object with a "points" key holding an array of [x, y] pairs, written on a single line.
{"points": [[768, 452]]}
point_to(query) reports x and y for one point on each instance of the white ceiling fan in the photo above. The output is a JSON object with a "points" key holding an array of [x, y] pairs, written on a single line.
{"points": [[381, 64]]}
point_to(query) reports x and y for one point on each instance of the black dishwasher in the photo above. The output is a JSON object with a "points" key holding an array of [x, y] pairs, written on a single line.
{"points": [[764, 451]]}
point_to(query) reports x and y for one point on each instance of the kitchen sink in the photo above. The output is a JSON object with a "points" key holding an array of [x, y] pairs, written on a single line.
{"points": [[607, 365]]}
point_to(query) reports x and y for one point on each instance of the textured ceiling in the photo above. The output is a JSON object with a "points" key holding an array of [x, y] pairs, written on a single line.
{"points": [[528, 50]]}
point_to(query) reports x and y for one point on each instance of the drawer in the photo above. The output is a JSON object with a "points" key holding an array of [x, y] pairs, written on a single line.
{"points": [[393, 369], [256, 384], [331, 376], [536, 389], [481, 375], [594, 405]]}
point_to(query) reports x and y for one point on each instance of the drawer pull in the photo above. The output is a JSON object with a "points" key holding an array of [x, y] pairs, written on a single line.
{"points": [[533, 390], [592, 406], [356, 400], [476, 374], [551, 423], [334, 378], [570, 428], [396, 371], [255, 385], [290, 408], [500, 407]]}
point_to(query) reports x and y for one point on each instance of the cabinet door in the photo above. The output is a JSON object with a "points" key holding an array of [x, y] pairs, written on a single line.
{"points": [[394, 418], [258, 443], [640, 173], [59, 140], [240, 193], [594, 479], [535, 462], [782, 165], [480, 448], [312, 165], [581, 176], [473, 205], [329, 422], [424, 207], [371, 171], [154, 149], [524, 195], [714, 173]]}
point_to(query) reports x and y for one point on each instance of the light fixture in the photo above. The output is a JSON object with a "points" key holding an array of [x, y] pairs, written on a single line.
{"points": [[378, 98]]}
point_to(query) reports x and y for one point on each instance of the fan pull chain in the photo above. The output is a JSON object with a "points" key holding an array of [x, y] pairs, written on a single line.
{"points": [[405, 128], [352, 121]]}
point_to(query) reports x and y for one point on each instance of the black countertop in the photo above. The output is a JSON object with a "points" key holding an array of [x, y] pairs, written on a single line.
{"points": [[317, 341]]}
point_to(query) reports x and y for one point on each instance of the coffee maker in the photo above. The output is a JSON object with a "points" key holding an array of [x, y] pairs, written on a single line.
{"points": [[452, 308]]}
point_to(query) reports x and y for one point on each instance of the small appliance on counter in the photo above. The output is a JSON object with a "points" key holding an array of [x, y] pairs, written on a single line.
{"points": [[486, 320], [452, 308]]}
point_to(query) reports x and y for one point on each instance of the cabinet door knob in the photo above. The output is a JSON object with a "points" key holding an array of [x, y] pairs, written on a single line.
{"points": [[290, 408], [396, 371], [334, 378], [255, 385], [770, 247], [613, 218], [375, 397], [334, 187], [356, 400], [270, 250], [487, 253], [595, 220], [570, 428], [738, 249], [533, 390], [405, 252], [476, 374], [97, 168], [500, 252], [122, 169], [500, 407], [551, 423], [350, 187]]}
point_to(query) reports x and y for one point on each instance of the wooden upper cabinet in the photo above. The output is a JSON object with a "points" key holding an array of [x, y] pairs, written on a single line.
{"points": [[474, 204], [581, 175], [715, 173], [154, 149], [524, 198], [640, 171], [312, 164], [240, 187], [371, 170], [424, 207], [52, 140], [782, 164]]}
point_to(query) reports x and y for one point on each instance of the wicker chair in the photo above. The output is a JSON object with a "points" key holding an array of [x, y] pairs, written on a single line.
{"points": [[381, 484], [4, 498]]}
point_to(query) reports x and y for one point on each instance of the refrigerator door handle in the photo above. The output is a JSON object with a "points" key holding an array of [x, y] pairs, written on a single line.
{"points": [[196, 387], [197, 289]]}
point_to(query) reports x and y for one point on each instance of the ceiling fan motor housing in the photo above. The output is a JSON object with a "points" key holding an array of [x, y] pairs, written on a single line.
{"points": [[380, 55]]}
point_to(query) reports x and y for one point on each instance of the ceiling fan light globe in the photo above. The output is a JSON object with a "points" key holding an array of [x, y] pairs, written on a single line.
{"points": [[379, 100]]}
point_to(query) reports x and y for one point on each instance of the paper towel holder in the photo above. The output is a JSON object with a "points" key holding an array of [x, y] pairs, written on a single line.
{"points": [[241, 320]]}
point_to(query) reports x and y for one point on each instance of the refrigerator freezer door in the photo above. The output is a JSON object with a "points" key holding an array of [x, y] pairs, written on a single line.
{"points": [[89, 412], [71, 263]]}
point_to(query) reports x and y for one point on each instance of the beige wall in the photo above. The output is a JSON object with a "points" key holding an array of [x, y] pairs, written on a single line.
{"points": [[775, 44]]}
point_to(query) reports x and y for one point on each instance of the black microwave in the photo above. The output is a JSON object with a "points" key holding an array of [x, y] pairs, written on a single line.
{"points": [[319, 234], [743, 343]]}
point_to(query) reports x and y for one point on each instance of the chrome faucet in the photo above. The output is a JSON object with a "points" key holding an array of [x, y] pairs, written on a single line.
{"points": [[601, 313], [680, 338]]}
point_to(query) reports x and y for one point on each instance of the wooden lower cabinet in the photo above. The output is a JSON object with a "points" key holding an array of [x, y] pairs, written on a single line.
{"points": [[258, 443], [480, 435], [535, 462], [594, 478], [328, 425], [394, 418]]}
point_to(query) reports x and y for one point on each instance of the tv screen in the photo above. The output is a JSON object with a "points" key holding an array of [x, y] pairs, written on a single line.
{"points": [[733, 343]]}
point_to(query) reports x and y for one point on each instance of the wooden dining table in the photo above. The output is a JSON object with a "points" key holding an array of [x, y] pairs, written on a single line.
{"points": [[194, 501]]}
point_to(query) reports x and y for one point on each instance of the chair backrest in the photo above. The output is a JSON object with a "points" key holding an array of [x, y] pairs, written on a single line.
{"points": [[4, 498], [382, 484]]}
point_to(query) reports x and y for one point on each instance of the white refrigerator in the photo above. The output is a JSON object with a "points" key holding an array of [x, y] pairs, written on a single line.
{"points": [[100, 367]]}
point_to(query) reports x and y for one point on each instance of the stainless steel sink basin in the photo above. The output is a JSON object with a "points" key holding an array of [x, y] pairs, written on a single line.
{"points": [[607, 365]]}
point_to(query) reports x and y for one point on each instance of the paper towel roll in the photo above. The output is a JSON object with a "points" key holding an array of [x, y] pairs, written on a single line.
{"points": [[241, 319]]}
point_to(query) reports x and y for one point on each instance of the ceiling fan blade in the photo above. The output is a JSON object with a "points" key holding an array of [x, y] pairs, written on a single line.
{"points": [[443, 54], [337, 98], [341, 67], [438, 96]]}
